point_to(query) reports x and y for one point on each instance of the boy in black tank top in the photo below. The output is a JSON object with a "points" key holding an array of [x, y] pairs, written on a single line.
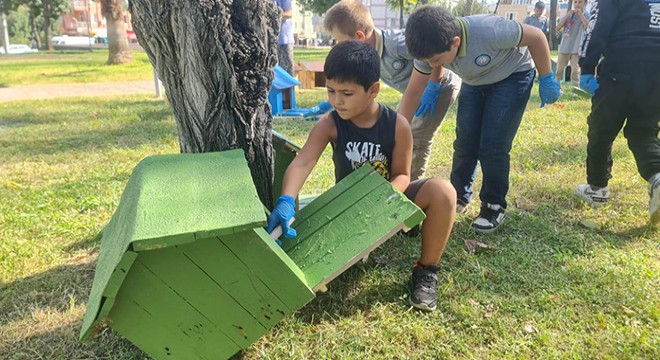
{"points": [[361, 131]]}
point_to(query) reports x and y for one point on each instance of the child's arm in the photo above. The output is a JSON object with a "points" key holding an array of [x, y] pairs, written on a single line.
{"points": [[535, 41], [583, 18], [564, 20], [401, 154], [413, 94], [302, 165]]}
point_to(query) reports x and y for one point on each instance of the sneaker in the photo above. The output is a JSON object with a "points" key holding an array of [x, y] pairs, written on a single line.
{"points": [[593, 195], [461, 206], [654, 198], [490, 218], [424, 281]]}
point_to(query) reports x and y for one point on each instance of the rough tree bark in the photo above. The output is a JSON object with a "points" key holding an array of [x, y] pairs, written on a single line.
{"points": [[467, 11], [119, 52], [215, 58]]}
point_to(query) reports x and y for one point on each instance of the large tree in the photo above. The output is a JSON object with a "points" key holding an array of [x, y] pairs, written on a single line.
{"points": [[552, 36], [119, 52], [215, 58], [51, 10]]}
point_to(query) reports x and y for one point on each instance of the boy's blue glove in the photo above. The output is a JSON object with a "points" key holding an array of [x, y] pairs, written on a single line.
{"points": [[281, 215], [549, 89], [320, 109], [429, 98], [589, 84]]}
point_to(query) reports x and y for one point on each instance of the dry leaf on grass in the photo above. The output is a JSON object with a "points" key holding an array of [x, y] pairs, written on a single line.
{"points": [[529, 328], [590, 224], [474, 246]]}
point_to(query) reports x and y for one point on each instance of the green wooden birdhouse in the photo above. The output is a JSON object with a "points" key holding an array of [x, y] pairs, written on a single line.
{"points": [[186, 271]]}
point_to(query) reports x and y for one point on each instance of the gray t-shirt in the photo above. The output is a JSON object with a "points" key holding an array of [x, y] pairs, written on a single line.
{"points": [[489, 51], [396, 65], [541, 23], [572, 35]]}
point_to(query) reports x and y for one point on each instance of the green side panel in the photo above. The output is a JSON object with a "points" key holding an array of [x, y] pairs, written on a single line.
{"points": [[261, 254], [237, 279], [328, 196], [307, 226], [172, 200], [181, 322], [196, 288], [351, 234], [285, 152]]}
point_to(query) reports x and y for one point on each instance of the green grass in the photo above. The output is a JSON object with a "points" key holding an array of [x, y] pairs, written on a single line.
{"points": [[65, 67], [553, 289]]}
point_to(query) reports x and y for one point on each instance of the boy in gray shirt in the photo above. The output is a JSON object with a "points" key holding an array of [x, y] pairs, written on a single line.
{"points": [[572, 27], [493, 56], [537, 19], [350, 20]]}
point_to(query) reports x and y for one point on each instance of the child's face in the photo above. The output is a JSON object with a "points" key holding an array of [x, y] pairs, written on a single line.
{"points": [[579, 4], [539, 11], [349, 98], [445, 58]]}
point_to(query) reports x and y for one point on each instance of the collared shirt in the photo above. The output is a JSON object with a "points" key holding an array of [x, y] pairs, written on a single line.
{"points": [[489, 51], [396, 65]]}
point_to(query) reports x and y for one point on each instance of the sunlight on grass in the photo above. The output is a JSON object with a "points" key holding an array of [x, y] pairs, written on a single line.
{"points": [[552, 289]]}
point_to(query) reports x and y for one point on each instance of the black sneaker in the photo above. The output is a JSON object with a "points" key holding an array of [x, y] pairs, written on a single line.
{"points": [[424, 280], [490, 218]]}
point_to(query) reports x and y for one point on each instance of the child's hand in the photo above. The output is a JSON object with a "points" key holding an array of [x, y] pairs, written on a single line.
{"points": [[549, 89], [281, 215], [569, 13], [429, 98], [589, 84]]}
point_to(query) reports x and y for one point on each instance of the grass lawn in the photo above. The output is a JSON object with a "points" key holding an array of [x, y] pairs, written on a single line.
{"points": [[62, 67], [565, 281]]}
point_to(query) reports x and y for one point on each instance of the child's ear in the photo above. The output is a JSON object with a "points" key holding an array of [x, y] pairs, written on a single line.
{"points": [[374, 89], [456, 41], [360, 35]]}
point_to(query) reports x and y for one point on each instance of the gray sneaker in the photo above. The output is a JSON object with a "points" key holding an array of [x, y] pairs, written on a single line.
{"points": [[593, 195], [654, 198], [424, 281]]}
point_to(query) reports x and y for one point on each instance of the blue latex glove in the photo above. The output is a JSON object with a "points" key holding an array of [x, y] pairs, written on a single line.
{"points": [[429, 98], [320, 109], [281, 215], [549, 89], [589, 84]]}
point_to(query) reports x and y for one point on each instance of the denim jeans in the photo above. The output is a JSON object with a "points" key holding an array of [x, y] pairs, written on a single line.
{"points": [[487, 121]]}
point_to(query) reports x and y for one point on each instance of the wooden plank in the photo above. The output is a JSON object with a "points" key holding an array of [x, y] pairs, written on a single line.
{"points": [[332, 193], [344, 239], [237, 279], [194, 285], [174, 313], [275, 269], [328, 210]]}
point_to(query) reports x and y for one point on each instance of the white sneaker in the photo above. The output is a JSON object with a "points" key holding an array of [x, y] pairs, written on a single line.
{"points": [[593, 195], [654, 198]]}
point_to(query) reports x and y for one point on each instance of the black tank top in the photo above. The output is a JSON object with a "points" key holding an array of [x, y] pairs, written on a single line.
{"points": [[358, 146]]}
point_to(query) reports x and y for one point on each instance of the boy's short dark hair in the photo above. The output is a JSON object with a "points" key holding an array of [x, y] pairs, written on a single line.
{"points": [[353, 61], [540, 5], [430, 31]]}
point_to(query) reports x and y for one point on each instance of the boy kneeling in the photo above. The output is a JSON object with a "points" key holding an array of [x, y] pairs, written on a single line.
{"points": [[362, 131]]}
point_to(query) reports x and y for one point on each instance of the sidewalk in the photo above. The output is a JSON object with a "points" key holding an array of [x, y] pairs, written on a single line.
{"points": [[76, 90]]}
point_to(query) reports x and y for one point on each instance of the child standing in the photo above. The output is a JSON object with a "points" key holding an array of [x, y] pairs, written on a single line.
{"points": [[360, 123], [537, 19], [573, 25], [492, 57], [627, 34], [350, 20]]}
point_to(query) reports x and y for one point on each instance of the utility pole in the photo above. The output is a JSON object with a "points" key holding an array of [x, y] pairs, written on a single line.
{"points": [[5, 32]]}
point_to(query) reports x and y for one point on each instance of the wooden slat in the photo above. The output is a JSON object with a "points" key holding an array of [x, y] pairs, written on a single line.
{"points": [[275, 269], [172, 312], [237, 279], [345, 239], [195, 286]]}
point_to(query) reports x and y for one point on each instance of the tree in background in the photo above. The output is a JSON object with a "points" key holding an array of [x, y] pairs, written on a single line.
{"points": [[216, 60], [552, 36], [51, 10], [316, 6], [469, 7], [119, 52]]}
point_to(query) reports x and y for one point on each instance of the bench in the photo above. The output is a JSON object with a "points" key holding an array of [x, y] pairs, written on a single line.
{"points": [[186, 270]]}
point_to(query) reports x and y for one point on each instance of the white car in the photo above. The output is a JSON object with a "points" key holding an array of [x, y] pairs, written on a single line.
{"points": [[18, 49]]}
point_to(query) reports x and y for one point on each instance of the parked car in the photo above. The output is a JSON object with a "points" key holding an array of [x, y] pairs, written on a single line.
{"points": [[18, 49]]}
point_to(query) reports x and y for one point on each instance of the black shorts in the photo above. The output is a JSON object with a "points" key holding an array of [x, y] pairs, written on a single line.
{"points": [[413, 188]]}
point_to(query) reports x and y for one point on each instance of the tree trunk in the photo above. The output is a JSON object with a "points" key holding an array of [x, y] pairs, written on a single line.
{"points": [[47, 10], [35, 30], [552, 36], [216, 60], [401, 15], [467, 11], [113, 11]]}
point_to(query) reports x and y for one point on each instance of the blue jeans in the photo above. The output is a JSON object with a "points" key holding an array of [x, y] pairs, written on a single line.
{"points": [[487, 121]]}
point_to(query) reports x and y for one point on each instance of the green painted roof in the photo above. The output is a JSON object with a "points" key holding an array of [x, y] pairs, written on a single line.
{"points": [[171, 200]]}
